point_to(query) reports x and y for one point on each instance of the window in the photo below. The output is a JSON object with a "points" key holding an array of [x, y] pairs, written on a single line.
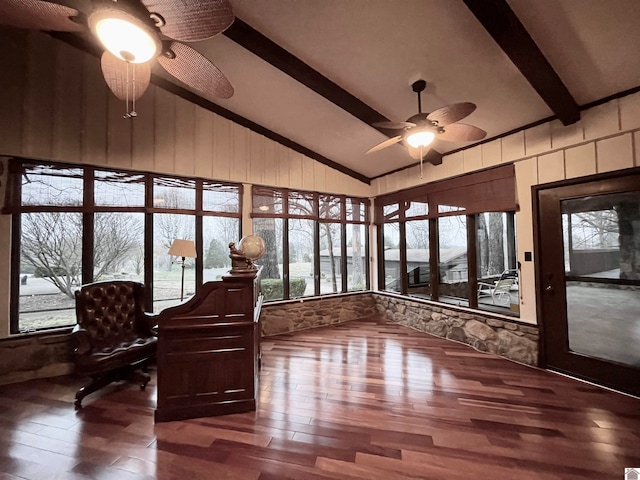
{"points": [[452, 241], [496, 260], [50, 268], [331, 236], [316, 243], [417, 248], [167, 270], [272, 232], [453, 270], [74, 225]]}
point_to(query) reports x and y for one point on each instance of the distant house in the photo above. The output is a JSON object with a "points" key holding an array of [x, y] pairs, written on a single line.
{"points": [[453, 264], [325, 260]]}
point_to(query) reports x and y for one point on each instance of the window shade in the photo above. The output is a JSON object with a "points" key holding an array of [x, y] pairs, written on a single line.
{"points": [[492, 190]]}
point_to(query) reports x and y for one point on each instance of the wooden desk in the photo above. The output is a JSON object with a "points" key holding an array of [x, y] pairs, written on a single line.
{"points": [[209, 351]]}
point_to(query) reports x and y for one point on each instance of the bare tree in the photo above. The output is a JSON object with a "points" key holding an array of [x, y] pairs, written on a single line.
{"points": [[116, 238], [357, 252], [52, 243], [483, 246], [496, 243], [137, 259], [329, 231], [267, 229], [356, 255], [227, 229], [596, 229], [418, 234]]}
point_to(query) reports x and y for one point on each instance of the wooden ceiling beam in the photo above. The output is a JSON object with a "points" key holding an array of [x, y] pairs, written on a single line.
{"points": [[506, 29], [260, 45]]}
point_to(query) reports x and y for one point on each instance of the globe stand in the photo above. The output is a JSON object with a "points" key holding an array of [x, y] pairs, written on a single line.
{"points": [[239, 261]]}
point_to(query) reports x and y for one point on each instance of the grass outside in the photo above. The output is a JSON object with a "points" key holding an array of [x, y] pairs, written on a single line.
{"points": [[43, 306]]}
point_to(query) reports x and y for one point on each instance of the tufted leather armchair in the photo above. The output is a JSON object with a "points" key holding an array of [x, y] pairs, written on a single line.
{"points": [[114, 337]]}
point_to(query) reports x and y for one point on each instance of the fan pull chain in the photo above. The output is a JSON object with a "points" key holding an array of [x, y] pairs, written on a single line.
{"points": [[130, 86], [126, 95], [133, 112], [420, 162]]}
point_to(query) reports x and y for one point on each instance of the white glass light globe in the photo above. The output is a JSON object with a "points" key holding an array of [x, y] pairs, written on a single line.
{"points": [[419, 138], [125, 35], [126, 40]]}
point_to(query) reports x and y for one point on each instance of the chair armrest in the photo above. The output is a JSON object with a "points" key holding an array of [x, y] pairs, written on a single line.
{"points": [[485, 284], [81, 341], [149, 323]]}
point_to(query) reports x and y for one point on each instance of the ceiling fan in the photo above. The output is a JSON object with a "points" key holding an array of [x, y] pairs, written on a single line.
{"points": [[421, 129], [134, 33]]}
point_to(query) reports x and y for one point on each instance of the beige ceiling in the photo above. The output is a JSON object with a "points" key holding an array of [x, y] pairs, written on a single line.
{"points": [[375, 49]]}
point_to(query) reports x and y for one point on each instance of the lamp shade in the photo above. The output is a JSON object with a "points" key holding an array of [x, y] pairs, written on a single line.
{"points": [[183, 248]]}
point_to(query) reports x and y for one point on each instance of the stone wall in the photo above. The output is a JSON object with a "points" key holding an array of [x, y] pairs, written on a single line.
{"points": [[48, 354], [507, 338], [34, 356], [315, 312]]}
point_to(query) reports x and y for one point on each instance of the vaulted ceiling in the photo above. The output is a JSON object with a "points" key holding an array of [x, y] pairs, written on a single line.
{"points": [[315, 74]]}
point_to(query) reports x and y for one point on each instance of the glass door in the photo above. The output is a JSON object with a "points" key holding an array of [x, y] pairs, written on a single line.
{"points": [[589, 253]]}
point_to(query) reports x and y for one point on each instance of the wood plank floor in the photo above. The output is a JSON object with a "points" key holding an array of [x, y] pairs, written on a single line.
{"points": [[366, 399]]}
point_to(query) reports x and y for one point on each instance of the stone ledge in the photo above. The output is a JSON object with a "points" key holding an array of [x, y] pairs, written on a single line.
{"points": [[318, 312], [511, 340], [36, 356]]}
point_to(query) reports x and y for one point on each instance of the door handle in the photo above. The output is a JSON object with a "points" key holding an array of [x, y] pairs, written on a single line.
{"points": [[549, 288]]}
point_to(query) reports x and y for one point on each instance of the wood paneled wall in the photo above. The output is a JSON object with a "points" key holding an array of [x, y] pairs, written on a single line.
{"points": [[55, 105]]}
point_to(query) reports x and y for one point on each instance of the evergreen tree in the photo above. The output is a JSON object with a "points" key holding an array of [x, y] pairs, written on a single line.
{"points": [[217, 255]]}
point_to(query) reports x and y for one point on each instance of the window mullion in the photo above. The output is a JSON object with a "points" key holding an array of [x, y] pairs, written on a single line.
{"points": [[88, 228], [472, 262], [316, 255], [148, 242], [434, 276], [402, 227]]}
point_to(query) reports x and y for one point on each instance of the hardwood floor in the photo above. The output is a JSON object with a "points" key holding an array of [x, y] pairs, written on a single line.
{"points": [[366, 399]]}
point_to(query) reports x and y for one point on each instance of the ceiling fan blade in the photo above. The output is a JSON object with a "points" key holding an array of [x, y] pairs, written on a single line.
{"points": [[38, 15], [451, 113], [126, 80], [385, 144], [192, 20], [193, 69], [393, 125], [416, 153], [461, 132]]}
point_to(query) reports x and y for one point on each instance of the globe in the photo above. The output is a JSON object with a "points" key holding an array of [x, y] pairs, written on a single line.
{"points": [[252, 246]]}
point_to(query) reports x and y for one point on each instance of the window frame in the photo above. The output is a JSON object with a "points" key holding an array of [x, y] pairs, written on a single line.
{"points": [[88, 208], [397, 207], [282, 197]]}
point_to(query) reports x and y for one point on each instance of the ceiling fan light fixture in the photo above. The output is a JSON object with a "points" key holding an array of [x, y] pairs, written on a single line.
{"points": [[125, 36], [420, 137]]}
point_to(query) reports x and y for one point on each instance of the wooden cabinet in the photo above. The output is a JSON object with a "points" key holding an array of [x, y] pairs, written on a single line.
{"points": [[209, 351]]}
